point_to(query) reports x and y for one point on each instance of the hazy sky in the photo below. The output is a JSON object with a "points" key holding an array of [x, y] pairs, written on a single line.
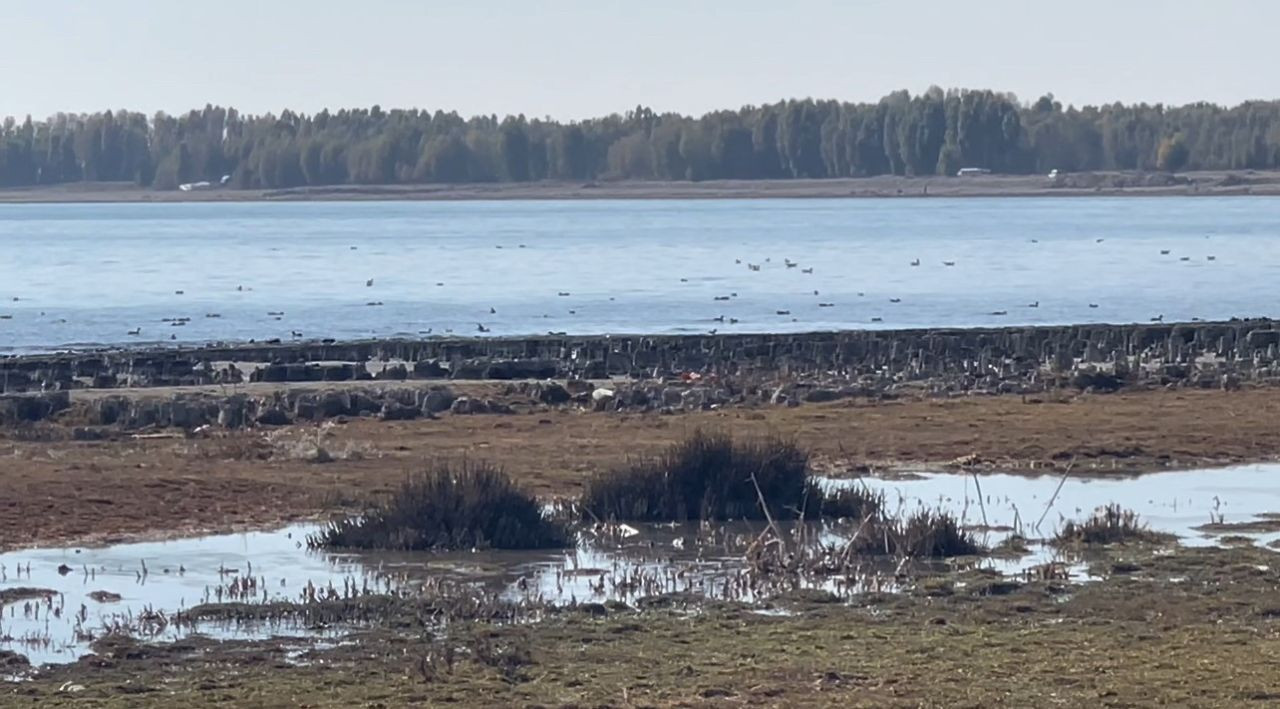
{"points": [[581, 58]]}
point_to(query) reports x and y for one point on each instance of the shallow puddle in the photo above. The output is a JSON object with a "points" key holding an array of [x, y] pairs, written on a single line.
{"points": [[1175, 502], [154, 580], [140, 587], [1200, 507]]}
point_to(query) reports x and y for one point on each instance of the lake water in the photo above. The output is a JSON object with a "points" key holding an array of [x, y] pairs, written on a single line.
{"points": [[85, 274]]}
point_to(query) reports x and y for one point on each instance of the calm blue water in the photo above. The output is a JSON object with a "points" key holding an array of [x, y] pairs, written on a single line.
{"points": [[88, 274]]}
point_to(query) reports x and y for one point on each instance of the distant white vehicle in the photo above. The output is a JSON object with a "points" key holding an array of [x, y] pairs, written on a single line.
{"points": [[204, 184], [972, 171]]}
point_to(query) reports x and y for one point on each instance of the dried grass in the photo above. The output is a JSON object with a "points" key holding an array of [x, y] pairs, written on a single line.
{"points": [[467, 506]]}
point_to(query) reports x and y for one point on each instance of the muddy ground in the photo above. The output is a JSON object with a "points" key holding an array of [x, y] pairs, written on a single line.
{"points": [[1187, 627], [53, 489], [1193, 628]]}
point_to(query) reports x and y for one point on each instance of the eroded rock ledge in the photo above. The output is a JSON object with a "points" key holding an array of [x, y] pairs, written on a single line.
{"points": [[645, 372]]}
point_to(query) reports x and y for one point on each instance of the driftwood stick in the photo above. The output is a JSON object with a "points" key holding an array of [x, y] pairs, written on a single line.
{"points": [[1056, 490], [764, 507], [981, 504]]}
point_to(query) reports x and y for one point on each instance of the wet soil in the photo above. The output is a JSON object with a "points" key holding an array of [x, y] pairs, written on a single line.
{"points": [[1198, 627], [55, 490], [626, 564]]}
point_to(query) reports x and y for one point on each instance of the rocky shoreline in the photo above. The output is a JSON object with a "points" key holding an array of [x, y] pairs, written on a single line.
{"points": [[952, 358], [273, 384]]}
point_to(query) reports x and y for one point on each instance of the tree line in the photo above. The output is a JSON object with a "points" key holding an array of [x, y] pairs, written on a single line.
{"points": [[934, 133]]}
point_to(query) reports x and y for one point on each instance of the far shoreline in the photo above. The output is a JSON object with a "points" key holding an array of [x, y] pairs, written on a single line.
{"points": [[278, 345], [1108, 184]]}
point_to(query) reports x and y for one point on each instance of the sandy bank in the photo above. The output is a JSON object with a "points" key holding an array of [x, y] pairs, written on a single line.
{"points": [[1084, 184]]}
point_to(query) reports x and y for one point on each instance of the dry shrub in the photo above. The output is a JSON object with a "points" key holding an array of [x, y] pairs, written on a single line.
{"points": [[469, 506], [1111, 524], [705, 476], [925, 534], [854, 502]]}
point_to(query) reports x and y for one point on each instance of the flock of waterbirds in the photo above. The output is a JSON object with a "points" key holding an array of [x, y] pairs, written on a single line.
{"points": [[481, 327]]}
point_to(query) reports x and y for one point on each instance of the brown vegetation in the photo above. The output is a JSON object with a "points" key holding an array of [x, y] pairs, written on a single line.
{"points": [[1111, 524], [463, 506], [54, 490], [1194, 628]]}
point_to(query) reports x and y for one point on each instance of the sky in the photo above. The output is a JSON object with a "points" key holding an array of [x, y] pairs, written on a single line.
{"points": [[573, 59]]}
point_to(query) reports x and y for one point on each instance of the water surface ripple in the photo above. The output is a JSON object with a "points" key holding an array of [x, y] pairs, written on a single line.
{"points": [[92, 273]]}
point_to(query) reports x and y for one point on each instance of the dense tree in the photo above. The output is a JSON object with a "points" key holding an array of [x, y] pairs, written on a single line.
{"points": [[1173, 154], [936, 132], [515, 150]]}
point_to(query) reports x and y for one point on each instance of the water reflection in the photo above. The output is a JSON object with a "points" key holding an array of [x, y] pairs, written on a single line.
{"points": [[142, 586]]}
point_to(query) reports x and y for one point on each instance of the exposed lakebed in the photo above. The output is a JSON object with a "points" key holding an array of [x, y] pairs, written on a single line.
{"points": [[143, 587]]}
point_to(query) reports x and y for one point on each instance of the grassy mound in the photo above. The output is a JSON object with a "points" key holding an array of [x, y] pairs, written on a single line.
{"points": [[470, 506], [854, 502], [925, 534], [706, 476], [1112, 524]]}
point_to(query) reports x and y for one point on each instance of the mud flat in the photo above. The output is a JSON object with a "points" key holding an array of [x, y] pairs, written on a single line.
{"points": [[1211, 643], [257, 619], [703, 563], [65, 479], [1123, 624], [166, 445]]}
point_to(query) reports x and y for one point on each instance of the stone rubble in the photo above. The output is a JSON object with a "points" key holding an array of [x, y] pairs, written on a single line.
{"points": [[662, 373]]}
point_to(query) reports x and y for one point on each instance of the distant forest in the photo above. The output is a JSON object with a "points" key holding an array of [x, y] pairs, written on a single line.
{"points": [[934, 133]]}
